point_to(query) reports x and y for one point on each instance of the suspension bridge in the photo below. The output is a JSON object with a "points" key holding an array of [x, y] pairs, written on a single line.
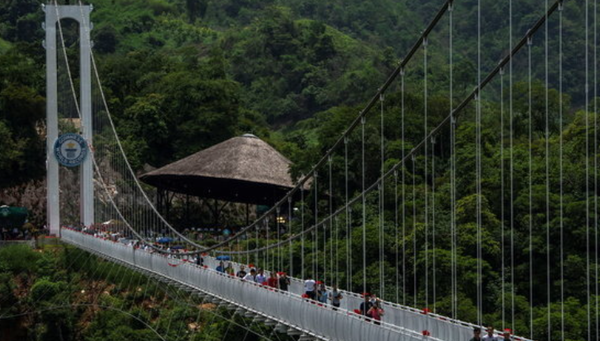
{"points": [[330, 217]]}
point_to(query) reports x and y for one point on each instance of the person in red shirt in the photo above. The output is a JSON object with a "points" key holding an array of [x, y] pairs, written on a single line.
{"points": [[272, 281], [375, 312]]}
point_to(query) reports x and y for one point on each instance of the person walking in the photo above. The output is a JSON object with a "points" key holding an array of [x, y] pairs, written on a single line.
{"points": [[366, 305], [229, 269], [309, 288], [260, 277], [242, 272], [490, 335], [284, 282], [376, 312], [476, 334], [321, 292], [251, 276], [272, 281], [335, 297]]}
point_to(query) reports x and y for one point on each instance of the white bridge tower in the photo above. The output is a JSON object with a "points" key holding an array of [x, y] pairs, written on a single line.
{"points": [[81, 14]]}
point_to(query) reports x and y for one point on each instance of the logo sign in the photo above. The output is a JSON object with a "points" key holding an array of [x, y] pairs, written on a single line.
{"points": [[70, 149]]}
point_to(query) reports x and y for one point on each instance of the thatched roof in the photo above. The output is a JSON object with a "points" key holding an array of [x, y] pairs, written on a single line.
{"points": [[242, 169]]}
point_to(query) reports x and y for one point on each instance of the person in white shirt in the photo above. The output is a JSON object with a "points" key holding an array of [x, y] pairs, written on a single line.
{"points": [[309, 288], [490, 335], [251, 276]]}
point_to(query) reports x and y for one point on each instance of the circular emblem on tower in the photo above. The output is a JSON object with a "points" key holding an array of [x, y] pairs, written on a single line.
{"points": [[70, 149]]}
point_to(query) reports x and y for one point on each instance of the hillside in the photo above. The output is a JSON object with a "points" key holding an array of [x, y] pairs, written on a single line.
{"points": [[62, 293], [252, 66]]}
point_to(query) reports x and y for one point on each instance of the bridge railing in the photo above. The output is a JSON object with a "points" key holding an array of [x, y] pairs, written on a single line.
{"points": [[411, 318], [286, 307]]}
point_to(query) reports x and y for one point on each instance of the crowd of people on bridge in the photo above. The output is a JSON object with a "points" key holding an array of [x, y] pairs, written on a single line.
{"points": [[314, 290], [489, 335], [317, 291]]}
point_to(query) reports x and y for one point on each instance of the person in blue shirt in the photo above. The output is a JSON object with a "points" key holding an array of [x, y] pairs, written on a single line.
{"points": [[221, 267], [366, 305], [260, 277], [322, 293], [335, 297]]}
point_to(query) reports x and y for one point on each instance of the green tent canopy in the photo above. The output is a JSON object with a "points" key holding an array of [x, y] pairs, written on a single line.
{"points": [[11, 217]]}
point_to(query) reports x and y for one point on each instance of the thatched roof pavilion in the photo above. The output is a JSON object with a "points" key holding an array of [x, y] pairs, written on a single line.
{"points": [[243, 169]]}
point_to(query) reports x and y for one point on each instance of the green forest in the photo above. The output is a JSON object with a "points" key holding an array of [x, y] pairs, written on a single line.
{"points": [[183, 75], [62, 293]]}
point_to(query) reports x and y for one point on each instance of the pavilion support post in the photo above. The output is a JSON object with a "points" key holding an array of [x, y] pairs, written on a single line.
{"points": [[215, 211], [247, 214], [167, 205], [158, 199], [187, 210]]}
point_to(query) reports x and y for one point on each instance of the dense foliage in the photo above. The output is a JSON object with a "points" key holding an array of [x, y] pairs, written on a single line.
{"points": [[60, 293], [533, 229], [183, 75], [175, 70]]}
